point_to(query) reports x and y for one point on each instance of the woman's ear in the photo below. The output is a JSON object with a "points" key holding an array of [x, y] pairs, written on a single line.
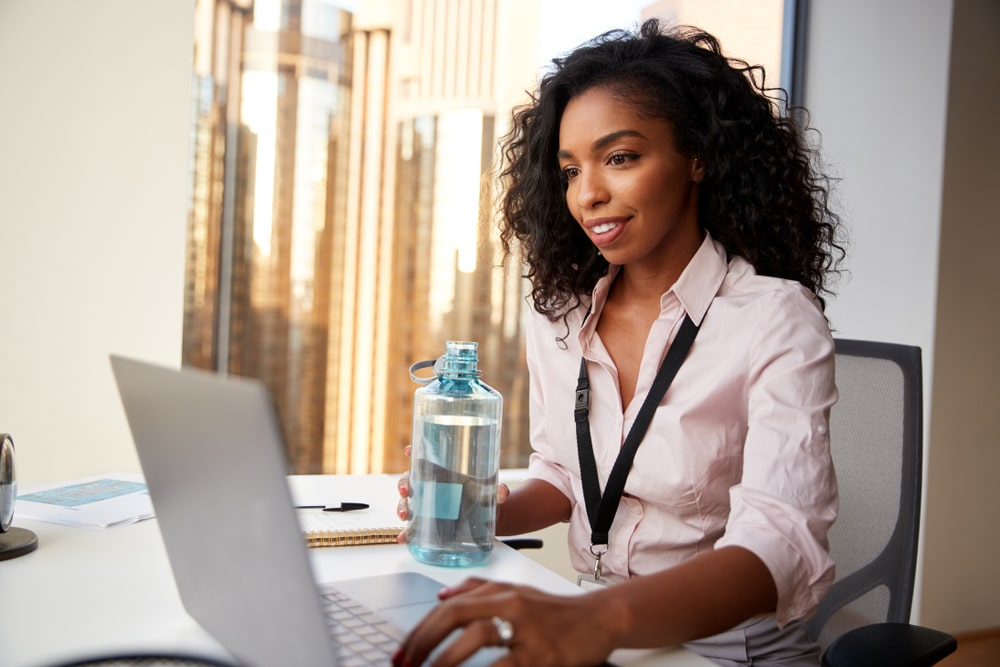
{"points": [[697, 170]]}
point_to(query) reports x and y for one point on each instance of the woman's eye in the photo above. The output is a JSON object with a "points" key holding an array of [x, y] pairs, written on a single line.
{"points": [[619, 159], [569, 173]]}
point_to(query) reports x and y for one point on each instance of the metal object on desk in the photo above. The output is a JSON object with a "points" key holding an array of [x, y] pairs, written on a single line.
{"points": [[8, 483], [14, 542]]}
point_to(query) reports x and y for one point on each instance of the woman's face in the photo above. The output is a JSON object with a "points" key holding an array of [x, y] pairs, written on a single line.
{"points": [[628, 186]]}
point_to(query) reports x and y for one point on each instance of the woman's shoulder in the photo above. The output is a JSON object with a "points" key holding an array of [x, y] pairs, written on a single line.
{"points": [[766, 302], [769, 316], [743, 281]]}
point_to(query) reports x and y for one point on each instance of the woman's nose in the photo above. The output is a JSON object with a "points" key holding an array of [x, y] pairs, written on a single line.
{"points": [[591, 190]]}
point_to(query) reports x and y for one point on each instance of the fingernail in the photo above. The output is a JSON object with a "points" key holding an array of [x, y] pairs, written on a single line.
{"points": [[397, 655]]}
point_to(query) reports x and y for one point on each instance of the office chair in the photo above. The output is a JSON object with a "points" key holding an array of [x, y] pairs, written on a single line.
{"points": [[876, 431]]}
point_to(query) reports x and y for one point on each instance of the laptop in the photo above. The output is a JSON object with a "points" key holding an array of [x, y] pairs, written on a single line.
{"points": [[214, 461]]}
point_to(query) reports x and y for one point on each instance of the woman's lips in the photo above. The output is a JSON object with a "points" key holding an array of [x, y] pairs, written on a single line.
{"points": [[604, 231]]}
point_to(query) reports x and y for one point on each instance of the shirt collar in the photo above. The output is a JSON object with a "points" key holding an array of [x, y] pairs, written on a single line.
{"points": [[701, 279]]}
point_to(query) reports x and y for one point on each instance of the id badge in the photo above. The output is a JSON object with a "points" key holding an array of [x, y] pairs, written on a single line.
{"points": [[589, 582]]}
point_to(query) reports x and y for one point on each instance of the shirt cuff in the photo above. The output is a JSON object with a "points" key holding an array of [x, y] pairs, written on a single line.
{"points": [[779, 535], [541, 468]]}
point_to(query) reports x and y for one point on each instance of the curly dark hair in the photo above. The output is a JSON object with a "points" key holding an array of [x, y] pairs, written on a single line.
{"points": [[762, 197]]}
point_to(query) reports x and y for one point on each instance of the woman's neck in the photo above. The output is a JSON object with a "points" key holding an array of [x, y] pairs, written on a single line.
{"points": [[643, 283]]}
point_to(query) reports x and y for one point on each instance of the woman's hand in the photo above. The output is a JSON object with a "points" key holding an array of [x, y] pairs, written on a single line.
{"points": [[547, 630], [403, 506]]}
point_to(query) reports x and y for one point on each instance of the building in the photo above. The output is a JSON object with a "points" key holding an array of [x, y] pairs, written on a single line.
{"points": [[341, 223]]}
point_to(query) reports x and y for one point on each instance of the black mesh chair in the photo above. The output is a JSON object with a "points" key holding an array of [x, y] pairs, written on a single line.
{"points": [[876, 431]]}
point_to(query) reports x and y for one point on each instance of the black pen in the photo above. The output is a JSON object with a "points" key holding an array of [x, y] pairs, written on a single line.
{"points": [[343, 507], [347, 507]]}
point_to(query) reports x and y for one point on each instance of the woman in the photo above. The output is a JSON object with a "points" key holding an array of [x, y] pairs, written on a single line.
{"points": [[661, 204]]}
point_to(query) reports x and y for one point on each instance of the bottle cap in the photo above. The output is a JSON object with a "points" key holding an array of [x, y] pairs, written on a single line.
{"points": [[460, 358]]}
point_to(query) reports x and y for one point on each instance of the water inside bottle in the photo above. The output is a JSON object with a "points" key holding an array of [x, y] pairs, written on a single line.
{"points": [[453, 477]]}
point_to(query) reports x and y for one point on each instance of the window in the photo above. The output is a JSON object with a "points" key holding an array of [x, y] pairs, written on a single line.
{"points": [[341, 221]]}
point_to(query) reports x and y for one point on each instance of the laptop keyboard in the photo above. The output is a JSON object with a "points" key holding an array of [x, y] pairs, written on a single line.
{"points": [[363, 637]]}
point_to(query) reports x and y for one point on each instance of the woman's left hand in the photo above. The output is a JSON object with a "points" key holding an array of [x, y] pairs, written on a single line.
{"points": [[545, 630], [403, 510]]}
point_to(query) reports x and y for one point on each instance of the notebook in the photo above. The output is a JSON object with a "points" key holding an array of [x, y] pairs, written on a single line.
{"points": [[348, 529], [213, 459], [374, 522]]}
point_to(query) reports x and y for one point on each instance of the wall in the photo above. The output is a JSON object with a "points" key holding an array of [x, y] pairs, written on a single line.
{"points": [[880, 107], [961, 586], [917, 154], [94, 134]]}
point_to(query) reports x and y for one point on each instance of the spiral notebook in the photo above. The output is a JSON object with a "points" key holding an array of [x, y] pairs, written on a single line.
{"points": [[319, 531], [376, 524]]}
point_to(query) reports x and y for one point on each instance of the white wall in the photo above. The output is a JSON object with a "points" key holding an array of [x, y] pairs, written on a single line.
{"points": [[94, 133], [918, 173], [880, 106]]}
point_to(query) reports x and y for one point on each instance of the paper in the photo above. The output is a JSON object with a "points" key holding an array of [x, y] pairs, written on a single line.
{"points": [[103, 501], [378, 524], [357, 521]]}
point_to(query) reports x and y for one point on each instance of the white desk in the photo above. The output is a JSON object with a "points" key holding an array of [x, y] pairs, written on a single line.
{"points": [[96, 592]]}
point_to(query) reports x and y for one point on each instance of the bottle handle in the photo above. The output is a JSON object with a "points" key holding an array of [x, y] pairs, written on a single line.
{"points": [[427, 363]]}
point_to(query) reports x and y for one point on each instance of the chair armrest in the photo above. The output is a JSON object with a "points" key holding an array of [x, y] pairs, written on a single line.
{"points": [[889, 645], [523, 542]]}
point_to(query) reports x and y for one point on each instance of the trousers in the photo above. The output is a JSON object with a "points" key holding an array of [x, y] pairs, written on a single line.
{"points": [[760, 643]]}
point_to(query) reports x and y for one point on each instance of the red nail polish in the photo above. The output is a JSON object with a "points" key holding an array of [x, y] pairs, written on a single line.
{"points": [[396, 656]]}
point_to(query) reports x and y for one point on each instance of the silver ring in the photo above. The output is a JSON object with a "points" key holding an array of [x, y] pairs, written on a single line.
{"points": [[505, 630]]}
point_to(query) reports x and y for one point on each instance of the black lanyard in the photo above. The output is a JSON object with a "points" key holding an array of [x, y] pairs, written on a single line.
{"points": [[601, 510]]}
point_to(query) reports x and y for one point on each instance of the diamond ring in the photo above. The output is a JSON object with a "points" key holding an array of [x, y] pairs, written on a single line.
{"points": [[505, 630]]}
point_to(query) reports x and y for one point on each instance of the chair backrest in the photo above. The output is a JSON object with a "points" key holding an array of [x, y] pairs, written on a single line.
{"points": [[876, 436]]}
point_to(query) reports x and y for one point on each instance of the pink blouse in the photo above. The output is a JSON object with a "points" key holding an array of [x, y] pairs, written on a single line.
{"points": [[738, 452]]}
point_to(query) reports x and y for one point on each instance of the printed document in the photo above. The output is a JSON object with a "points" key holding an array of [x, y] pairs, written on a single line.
{"points": [[94, 502]]}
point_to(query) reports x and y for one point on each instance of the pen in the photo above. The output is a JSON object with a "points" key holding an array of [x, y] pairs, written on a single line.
{"points": [[347, 507], [343, 507]]}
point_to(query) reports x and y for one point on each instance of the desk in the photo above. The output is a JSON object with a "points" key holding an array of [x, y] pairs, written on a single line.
{"points": [[95, 592]]}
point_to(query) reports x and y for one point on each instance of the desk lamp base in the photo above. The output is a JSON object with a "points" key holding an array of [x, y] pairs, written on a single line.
{"points": [[17, 542]]}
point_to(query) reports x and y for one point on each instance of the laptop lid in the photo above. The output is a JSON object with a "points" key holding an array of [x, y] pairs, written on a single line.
{"points": [[212, 455]]}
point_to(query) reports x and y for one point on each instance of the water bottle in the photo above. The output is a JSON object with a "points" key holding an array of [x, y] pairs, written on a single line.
{"points": [[454, 461]]}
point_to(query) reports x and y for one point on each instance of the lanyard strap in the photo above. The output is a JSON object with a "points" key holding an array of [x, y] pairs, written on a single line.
{"points": [[601, 510]]}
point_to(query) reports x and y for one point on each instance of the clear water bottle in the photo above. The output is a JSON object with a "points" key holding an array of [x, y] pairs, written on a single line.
{"points": [[454, 461]]}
